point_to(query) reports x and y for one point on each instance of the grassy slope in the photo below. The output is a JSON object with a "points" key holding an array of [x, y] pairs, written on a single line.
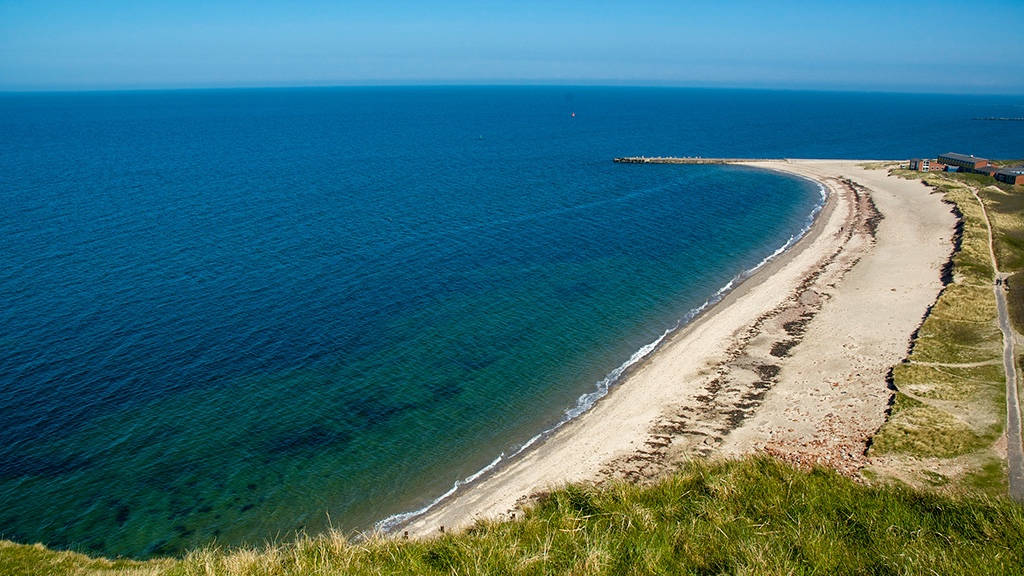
{"points": [[1007, 212], [753, 516]]}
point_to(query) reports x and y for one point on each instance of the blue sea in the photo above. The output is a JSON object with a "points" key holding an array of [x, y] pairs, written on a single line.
{"points": [[231, 315]]}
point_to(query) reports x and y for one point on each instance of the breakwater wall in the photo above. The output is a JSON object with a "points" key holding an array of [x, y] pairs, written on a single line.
{"points": [[687, 160]]}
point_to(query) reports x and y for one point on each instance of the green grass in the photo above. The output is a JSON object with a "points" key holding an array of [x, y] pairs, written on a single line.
{"points": [[1010, 249], [751, 516], [976, 180], [989, 477], [16, 559], [947, 411], [956, 342], [967, 179], [966, 303], [1015, 300], [1006, 210], [960, 328], [973, 264], [949, 408], [952, 383], [919, 429], [880, 165]]}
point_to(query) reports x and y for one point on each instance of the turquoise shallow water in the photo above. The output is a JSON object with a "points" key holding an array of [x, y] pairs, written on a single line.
{"points": [[229, 314]]}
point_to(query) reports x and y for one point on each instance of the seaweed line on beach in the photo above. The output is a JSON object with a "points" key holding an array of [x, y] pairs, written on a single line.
{"points": [[737, 385]]}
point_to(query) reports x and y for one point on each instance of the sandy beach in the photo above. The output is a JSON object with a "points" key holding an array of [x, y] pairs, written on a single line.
{"points": [[793, 362]]}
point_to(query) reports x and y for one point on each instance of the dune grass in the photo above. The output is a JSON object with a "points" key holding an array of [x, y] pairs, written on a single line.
{"points": [[750, 516], [972, 262], [952, 396], [1015, 300], [956, 342], [952, 383], [1006, 211], [919, 429], [961, 327], [965, 303]]}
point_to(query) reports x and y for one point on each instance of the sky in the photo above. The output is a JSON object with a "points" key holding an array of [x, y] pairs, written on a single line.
{"points": [[891, 46]]}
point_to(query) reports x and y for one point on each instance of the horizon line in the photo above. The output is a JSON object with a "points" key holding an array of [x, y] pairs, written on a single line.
{"points": [[487, 84]]}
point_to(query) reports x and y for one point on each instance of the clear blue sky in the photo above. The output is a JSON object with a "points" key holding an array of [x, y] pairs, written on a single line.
{"points": [[939, 46]]}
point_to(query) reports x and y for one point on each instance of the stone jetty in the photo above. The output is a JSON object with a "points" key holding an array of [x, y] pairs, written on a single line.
{"points": [[687, 160]]}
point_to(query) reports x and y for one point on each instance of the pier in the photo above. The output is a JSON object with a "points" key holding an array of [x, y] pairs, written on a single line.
{"points": [[688, 160]]}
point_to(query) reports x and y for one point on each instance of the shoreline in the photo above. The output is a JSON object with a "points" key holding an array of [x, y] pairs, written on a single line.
{"points": [[672, 402], [622, 373]]}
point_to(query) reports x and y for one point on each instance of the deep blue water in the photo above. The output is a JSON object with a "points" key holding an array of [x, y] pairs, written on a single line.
{"points": [[226, 314]]}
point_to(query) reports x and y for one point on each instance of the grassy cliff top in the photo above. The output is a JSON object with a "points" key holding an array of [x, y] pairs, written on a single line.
{"points": [[750, 516]]}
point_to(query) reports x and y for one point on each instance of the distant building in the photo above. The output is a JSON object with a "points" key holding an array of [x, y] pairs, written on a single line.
{"points": [[919, 164], [964, 162], [1014, 175], [989, 170]]}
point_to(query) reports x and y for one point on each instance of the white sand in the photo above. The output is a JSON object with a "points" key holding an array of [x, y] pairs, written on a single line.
{"points": [[792, 362]]}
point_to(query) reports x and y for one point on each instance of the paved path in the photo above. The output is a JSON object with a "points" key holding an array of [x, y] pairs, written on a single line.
{"points": [[1014, 445]]}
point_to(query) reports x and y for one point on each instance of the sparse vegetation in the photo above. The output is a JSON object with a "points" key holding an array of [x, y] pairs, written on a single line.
{"points": [[972, 263], [953, 343], [879, 165], [952, 383], [753, 516], [1015, 300], [951, 404], [987, 476], [919, 429], [1006, 211]]}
